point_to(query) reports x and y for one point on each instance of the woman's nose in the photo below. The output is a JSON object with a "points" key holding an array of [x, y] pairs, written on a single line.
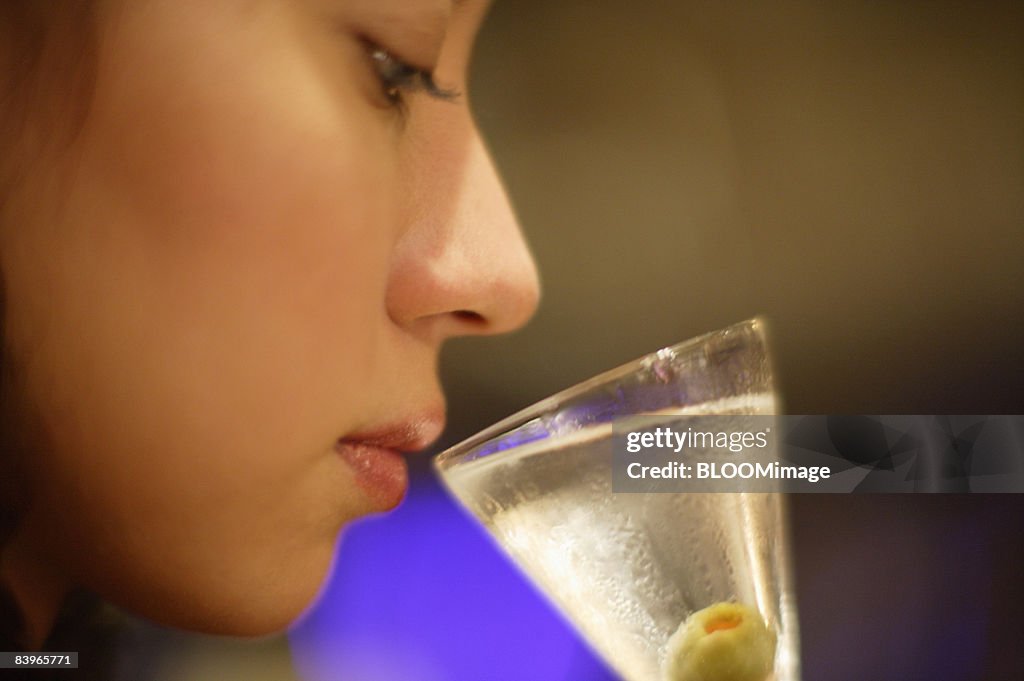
{"points": [[462, 266]]}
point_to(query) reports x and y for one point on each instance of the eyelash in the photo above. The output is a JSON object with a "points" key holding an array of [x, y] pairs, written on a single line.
{"points": [[399, 79]]}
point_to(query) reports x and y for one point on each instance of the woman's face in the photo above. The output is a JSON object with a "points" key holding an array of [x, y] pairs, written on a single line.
{"points": [[227, 297]]}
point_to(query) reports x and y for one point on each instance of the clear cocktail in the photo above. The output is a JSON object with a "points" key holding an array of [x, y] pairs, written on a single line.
{"points": [[628, 569]]}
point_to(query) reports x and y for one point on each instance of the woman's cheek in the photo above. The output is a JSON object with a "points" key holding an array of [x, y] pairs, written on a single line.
{"points": [[261, 216], [199, 460]]}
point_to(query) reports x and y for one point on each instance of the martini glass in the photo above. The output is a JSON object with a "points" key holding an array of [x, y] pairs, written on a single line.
{"points": [[627, 569]]}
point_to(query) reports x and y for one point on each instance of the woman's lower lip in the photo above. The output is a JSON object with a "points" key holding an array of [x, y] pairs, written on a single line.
{"points": [[380, 472]]}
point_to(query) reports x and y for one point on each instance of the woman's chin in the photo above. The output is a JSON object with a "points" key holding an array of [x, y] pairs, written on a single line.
{"points": [[244, 605]]}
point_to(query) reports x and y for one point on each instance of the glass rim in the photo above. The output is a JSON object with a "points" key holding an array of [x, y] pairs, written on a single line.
{"points": [[453, 455]]}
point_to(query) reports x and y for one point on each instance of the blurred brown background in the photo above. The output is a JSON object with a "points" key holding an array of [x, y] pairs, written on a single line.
{"points": [[854, 171]]}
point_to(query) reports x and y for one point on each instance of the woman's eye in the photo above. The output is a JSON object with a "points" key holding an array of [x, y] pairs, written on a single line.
{"points": [[398, 78]]}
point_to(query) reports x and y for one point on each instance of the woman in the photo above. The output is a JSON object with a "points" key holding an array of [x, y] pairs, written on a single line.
{"points": [[233, 237]]}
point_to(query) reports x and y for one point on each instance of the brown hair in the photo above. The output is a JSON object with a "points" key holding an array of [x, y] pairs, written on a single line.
{"points": [[47, 71]]}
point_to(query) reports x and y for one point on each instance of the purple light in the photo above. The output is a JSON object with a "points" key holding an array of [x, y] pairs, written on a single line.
{"points": [[423, 595]]}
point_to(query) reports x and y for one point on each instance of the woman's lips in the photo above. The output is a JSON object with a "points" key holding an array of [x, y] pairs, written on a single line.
{"points": [[376, 455], [380, 472]]}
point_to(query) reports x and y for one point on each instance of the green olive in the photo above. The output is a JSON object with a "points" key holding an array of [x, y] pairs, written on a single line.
{"points": [[723, 642]]}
